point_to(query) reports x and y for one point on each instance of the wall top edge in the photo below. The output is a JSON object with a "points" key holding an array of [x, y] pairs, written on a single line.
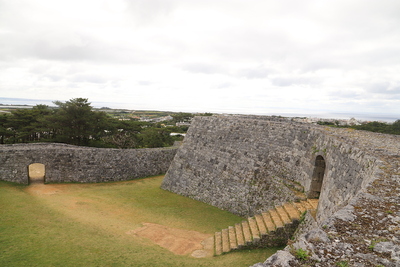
{"points": [[40, 146]]}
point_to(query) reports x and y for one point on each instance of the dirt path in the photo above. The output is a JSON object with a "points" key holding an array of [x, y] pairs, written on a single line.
{"points": [[178, 241], [119, 221], [38, 188]]}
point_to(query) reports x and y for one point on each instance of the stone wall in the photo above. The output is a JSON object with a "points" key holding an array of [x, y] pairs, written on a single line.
{"points": [[66, 163], [366, 231], [348, 170], [247, 164]]}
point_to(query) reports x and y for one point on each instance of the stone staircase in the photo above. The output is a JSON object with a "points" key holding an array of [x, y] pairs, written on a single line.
{"points": [[270, 228]]}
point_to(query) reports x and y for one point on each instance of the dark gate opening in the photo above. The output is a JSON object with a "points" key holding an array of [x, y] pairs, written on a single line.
{"points": [[317, 177], [36, 173]]}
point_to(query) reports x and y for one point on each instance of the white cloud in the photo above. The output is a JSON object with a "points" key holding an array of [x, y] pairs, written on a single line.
{"points": [[204, 68], [258, 72]]}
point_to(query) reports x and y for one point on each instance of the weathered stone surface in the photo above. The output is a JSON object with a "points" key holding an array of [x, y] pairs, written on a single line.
{"points": [[388, 247], [248, 164], [316, 235], [366, 231], [281, 258], [66, 163]]}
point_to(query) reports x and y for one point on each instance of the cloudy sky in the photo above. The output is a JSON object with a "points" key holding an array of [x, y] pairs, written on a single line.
{"points": [[252, 57]]}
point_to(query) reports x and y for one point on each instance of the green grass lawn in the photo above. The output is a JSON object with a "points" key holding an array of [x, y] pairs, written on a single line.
{"points": [[86, 225]]}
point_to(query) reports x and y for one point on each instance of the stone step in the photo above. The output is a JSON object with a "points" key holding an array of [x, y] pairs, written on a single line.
{"points": [[269, 224], [208, 245], [276, 218], [293, 213], [300, 207], [246, 232], [218, 243], [307, 204], [254, 229], [208, 248], [313, 202], [261, 225], [239, 235], [283, 214], [225, 241], [232, 238]]}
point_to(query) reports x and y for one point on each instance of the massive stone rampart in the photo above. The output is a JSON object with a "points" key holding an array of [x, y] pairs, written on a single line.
{"points": [[66, 163], [248, 164]]}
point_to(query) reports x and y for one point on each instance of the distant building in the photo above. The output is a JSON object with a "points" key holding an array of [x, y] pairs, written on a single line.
{"points": [[158, 119], [183, 123], [177, 134]]}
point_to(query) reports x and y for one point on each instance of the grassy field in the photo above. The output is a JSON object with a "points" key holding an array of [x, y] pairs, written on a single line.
{"points": [[87, 225]]}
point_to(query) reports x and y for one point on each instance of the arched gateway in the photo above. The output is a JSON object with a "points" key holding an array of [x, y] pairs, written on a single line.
{"points": [[36, 173], [317, 177]]}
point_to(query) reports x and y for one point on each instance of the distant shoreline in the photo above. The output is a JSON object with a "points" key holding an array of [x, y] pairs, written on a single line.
{"points": [[28, 103]]}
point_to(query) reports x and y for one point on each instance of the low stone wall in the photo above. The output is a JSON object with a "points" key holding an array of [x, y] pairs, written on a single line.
{"points": [[66, 163]]}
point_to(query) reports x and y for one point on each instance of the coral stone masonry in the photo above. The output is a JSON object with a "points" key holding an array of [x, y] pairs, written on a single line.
{"points": [[247, 165], [253, 166], [67, 163], [250, 164]]}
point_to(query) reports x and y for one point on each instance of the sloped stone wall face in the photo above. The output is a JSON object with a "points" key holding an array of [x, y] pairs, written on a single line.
{"points": [[66, 163], [248, 164], [235, 164], [348, 170], [363, 186]]}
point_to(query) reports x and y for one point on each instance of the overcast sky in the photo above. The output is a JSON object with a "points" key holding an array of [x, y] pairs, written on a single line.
{"points": [[255, 57]]}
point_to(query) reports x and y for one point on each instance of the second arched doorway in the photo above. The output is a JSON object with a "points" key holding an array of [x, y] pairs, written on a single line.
{"points": [[317, 177]]}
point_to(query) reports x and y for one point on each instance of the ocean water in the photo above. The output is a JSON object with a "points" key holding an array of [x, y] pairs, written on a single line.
{"points": [[25, 101]]}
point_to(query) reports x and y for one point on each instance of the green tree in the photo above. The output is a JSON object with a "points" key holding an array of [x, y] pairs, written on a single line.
{"points": [[124, 134], [155, 137], [206, 114], [122, 139], [76, 123], [41, 130], [20, 124], [374, 126], [182, 117], [5, 133], [24, 123], [396, 127]]}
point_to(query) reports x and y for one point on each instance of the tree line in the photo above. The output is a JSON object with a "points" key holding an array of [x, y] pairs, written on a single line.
{"points": [[76, 122], [374, 126], [380, 127]]}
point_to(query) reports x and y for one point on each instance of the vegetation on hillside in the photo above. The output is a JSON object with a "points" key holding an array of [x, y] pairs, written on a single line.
{"points": [[373, 126], [76, 122], [380, 127]]}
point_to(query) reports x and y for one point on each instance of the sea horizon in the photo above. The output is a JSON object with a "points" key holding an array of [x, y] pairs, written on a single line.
{"points": [[6, 101]]}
